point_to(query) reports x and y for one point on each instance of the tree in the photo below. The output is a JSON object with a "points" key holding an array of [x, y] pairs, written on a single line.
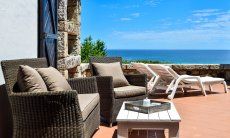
{"points": [[90, 48]]}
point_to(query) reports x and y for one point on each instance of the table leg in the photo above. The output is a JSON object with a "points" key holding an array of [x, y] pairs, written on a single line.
{"points": [[210, 88], [225, 87], [122, 131], [174, 130]]}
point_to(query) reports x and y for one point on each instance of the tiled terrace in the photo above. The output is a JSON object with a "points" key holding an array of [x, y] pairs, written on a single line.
{"points": [[202, 117]]}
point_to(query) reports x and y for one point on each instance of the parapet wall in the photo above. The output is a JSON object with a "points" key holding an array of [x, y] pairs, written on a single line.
{"points": [[214, 70]]}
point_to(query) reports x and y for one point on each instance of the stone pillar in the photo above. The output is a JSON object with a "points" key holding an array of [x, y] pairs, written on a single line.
{"points": [[69, 45], [74, 23], [62, 41]]}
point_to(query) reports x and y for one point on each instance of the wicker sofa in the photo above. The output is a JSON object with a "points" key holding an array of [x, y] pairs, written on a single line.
{"points": [[52, 113], [110, 104]]}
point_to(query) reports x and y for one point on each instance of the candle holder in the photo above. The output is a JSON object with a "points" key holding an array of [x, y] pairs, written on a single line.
{"points": [[147, 106]]}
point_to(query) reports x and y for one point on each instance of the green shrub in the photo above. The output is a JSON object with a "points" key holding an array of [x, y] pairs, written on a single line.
{"points": [[97, 48], [90, 48]]}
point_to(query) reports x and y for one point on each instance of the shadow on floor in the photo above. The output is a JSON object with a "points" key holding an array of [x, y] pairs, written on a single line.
{"points": [[160, 94], [115, 134]]}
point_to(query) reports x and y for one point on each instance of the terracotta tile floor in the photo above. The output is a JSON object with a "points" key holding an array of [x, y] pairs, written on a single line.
{"points": [[202, 116]]}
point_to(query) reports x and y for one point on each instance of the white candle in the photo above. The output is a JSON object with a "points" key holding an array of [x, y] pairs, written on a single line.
{"points": [[146, 102]]}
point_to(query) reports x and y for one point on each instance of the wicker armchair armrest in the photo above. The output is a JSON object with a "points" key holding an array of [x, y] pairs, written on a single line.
{"points": [[105, 90], [137, 79], [45, 96], [53, 109], [84, 85], [105, 86]]}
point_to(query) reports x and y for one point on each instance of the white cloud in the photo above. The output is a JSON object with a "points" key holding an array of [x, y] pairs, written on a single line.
{"points": [[135, 15], [185, 35], [211, 18], [152, 3], [125, 19], [131, 17], [205, 12], [202, 29]]}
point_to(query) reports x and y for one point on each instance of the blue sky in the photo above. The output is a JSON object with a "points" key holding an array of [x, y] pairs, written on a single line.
{"points": [[158, 24]]}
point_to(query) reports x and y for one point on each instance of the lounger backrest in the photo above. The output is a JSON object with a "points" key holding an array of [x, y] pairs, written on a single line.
{"points": [[143, 68], [162, 71], [173, 72]]}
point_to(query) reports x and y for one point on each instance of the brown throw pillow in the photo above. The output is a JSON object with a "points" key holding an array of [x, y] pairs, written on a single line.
{"points": [[111, 69], [29, 80], [54, 79]]}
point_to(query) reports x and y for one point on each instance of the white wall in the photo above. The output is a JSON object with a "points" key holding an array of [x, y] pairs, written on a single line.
{"points": [[18, 30]]}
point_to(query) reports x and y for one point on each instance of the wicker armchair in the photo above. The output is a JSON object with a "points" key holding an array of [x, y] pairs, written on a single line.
{"points": [[50, 114], [110, 105]]}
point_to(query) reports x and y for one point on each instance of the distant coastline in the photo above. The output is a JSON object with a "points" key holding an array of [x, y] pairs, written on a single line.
{"points": [[174, 56]]}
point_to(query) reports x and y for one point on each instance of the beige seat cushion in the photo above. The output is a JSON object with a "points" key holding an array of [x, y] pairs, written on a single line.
{"points": [[206, 80], [129, 91], [111, 69], [29, 80], [54, 79], [87, 103]]}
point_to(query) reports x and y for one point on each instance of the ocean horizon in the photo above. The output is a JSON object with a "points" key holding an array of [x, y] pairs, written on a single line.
{"points": [[175, 56]]}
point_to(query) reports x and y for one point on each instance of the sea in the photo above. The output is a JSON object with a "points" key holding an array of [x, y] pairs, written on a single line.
{"points": [[176, 56]]}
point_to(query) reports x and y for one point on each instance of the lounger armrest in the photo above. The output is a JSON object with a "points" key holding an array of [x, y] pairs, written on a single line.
{"points": [[137, 79], [84, 85], [189, 77]]}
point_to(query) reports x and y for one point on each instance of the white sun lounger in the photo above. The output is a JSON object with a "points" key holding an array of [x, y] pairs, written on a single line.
{"points": [[152, 77], [175, 80]]}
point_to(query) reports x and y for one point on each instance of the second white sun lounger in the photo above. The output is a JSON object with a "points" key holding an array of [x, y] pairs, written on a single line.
{"points": [[169, 75]]}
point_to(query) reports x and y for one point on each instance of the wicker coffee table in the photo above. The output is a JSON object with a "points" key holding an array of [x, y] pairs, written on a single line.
{"points": [[168, 119]]}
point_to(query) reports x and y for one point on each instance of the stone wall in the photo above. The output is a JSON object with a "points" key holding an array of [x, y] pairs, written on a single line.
{"points": [[68, 46], [214, 70]]}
